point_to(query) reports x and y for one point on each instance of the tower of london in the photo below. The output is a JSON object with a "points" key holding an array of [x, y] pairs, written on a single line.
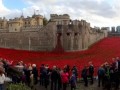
{"points": [[30, 34]]}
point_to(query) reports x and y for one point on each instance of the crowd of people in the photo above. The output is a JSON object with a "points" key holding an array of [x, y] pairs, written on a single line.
{"points": [[57, 78]]}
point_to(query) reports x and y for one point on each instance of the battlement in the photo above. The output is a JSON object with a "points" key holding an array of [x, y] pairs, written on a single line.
{"points": [[37, 16], [56, 16], [16, 19]]}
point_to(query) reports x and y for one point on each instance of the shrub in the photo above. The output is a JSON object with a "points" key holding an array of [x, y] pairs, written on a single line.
{"points": [[18, 86]]}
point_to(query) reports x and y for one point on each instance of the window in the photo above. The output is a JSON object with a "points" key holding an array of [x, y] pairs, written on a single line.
{"points": [[68, 34], [15, 29], [76, 34]]}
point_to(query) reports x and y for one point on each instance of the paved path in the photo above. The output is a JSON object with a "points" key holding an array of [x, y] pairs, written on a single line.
{"points": [[80, 86]]}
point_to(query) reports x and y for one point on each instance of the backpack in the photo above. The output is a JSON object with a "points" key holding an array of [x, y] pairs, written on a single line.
{"points": [[101, 72]]}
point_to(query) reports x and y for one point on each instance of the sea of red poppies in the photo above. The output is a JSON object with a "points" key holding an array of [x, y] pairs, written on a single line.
{"points": [[102, 51]]}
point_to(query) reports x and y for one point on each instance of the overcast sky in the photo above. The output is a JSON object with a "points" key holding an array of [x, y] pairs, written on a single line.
{"points": [[97, 12]]}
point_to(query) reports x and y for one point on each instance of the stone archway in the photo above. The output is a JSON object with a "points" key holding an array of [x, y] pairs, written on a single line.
{"points": [[59, 47]]}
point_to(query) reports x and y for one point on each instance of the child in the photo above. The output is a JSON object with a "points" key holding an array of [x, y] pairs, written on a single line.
{"points": [[73, 82]]}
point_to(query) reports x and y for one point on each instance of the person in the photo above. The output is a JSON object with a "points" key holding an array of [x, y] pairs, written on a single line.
{"points": [[2, 79], [107, 83], [75, 71], [65, 80], [42, 67], [54, 78], [91, 72], [31, 80], [73, 82], [113, 63], [27, 75], [101, 74], [35, 73], [67, 68], [116, 78], [23, 78], [46, 74], [59, 71], [85, 75]]}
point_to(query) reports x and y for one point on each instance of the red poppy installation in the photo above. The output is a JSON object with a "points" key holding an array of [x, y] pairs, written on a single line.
{"points": [[102, 51]]}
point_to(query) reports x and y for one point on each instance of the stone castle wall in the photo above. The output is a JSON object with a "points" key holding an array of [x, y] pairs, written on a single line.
{"points": [[75, 35], [43, 39]]}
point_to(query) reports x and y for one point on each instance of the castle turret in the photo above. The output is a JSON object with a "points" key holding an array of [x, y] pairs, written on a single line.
{"points": [[60, 19], [14, 25], [3, 23]]}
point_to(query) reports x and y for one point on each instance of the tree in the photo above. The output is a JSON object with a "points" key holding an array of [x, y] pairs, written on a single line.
{"points": [[45, 21]]}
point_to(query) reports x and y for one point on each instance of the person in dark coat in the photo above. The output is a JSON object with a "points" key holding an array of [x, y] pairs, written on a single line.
{"points": [[35, 74], [91, 72], [59, 79], [117, 79], [75, 71], [54, 78], [46, 74], [27, 75], [42, 67], [85, 75]]}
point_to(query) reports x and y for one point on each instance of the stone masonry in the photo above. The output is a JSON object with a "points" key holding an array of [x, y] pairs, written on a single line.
{"points": [[30, 34]]}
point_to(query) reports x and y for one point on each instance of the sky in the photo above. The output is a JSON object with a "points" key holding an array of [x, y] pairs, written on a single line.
{"points": [[101, 13]]}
